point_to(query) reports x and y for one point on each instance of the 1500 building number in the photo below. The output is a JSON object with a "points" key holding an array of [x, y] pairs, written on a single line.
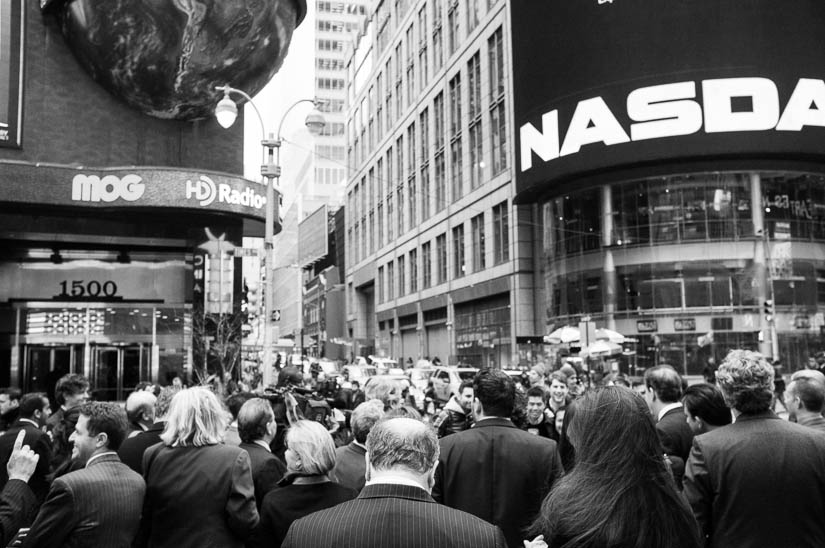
{"points": [[81, 289]]}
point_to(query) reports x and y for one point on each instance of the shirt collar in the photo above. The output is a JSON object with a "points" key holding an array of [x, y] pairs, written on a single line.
{"points": [[88, 462], [393, 480], [31, 422], [668, 407], [263, 444]]}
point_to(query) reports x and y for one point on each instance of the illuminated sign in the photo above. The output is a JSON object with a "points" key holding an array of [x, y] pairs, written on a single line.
{"points": [[11, 72]]}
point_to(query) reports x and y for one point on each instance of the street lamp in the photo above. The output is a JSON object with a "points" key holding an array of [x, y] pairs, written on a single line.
{"points": [[226, 111]]}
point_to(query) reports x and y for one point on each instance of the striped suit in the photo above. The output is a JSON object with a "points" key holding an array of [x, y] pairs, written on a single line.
{"points": [[393, 516], [95, 506]]}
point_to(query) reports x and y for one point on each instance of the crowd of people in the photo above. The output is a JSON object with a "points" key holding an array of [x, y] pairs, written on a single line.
{"points": [[507, 463]]}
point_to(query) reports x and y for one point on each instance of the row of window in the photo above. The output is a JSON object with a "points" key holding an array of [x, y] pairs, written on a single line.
{"points": [[329, 83], [337, 26], [329, 175], [342, 7], [330, 45], [330, 64], [330, 152], [401, 276]]}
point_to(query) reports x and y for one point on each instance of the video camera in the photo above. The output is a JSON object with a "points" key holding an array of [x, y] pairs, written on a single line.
{"points": [[292, 403]]}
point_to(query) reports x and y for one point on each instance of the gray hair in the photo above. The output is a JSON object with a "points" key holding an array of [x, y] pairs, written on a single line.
{"points": [[314, 446], [746, 381], [164, 401], [253, 419], [196, 418], [140, 402], [386, 390], [403, 443], [364, 417]]}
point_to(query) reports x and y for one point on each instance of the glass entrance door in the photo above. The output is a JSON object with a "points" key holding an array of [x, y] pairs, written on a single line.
{"points": [[117, 369], [44, 364]]}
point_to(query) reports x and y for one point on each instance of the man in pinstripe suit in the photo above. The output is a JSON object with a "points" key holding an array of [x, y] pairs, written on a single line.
{"points": [[395, 508], [98, 505]]}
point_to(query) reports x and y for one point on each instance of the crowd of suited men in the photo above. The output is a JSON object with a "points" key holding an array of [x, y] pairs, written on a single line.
{"points": [[506, 464]]}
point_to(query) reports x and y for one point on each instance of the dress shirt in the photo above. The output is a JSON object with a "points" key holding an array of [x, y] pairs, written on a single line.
{"points": [[667, 408]]}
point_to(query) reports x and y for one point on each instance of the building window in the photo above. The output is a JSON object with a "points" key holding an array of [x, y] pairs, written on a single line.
{"points": [[474, 128], [472, 15], [452, 26], [438, 35], [388, 79], [380, 225], [412, 196], [424, 162], [390, 189], [440, 169], [501, 233], [402, 286], [390, 281], [380, 285], [422, 47], [413, 270], [498, 118], [399, 81], [477, 226], [456, 151], [441, 257], [379, 108], [426, 266], [399, 181], [411, 49], [458, 251]]}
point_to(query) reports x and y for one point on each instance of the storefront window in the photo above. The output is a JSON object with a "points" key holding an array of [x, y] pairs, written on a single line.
{"points": [[794, 205]]}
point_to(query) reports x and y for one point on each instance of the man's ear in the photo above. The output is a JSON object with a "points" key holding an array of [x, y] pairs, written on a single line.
{"points": [[102, 439]]}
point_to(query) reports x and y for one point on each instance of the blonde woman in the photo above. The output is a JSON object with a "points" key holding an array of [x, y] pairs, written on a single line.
{"points": [[306, 488], [199, 492]]}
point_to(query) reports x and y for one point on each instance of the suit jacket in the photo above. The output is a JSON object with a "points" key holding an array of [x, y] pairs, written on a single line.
{"points": [[197, 496], [267, 470], [40, 443], [132, 449], [350, 466], [675, 434], [95, 506], [498, 473], [401, 516], [18, 506], [759, 483]]}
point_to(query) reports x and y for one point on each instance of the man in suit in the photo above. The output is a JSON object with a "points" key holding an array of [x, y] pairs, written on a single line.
{"points": [[257, 428], [99, 505], [758, 481], [9, 403], [34, 410], [395, 508], [140, 410], [350, 465], [663, 390], [494, 470], [18, 505], [804, 400], [132, 449], [71, 390]]}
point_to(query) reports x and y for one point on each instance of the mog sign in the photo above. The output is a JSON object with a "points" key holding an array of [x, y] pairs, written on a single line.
{"points": [[608, 91]]}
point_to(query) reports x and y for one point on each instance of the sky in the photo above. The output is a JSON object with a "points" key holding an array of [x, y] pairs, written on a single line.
{"points": [[294, 81]]}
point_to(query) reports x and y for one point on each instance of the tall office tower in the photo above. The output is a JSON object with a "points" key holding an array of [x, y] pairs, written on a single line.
{"points": [[439, 259]]}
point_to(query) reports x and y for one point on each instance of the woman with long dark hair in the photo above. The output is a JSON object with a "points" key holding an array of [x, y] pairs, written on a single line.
{"points": [[618, 490]]}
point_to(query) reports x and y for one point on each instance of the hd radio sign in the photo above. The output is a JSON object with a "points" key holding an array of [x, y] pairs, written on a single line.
{"points": [[634, 85]]}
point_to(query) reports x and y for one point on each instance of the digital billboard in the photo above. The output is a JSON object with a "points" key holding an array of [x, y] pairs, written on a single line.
{"points": [[604, 86], [11, 72]]}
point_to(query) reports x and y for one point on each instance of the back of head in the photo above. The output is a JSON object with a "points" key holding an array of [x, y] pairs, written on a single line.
{"points": [[140, 402], [496, 391], [236, 401], [164, 401], [31, 402], [385, 389], [620, 492], [665, 382], [364, 418], [746, 380], [810, 391], [253, 418], [108, 418], [706, 402], [313, 445], [69, 385], [196, 418], [809, 374], [403, 444]]}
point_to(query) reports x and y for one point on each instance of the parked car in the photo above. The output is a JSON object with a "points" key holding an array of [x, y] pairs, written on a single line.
{"points": [[359, 373], [383, 364], [447, 379], [419, 376]]}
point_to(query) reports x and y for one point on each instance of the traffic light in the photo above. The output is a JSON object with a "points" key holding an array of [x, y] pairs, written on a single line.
{"points": [[253, 298], [769, 310]]}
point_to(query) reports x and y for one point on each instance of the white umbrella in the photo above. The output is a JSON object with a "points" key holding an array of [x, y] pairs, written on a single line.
{"points": [[609, 335], [563, 335], [601, 348]]}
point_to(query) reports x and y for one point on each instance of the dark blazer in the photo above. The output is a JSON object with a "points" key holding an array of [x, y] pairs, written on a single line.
{"points": [[132, 449], [95, 506], [759, 483], [498, 473], [350, 466], [267, 470], [18, 506], [197, 496], [675, 434], [400, 516], [40, 443]]}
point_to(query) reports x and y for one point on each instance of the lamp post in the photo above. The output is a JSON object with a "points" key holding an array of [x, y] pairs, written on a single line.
{"points": [[226, 112]]}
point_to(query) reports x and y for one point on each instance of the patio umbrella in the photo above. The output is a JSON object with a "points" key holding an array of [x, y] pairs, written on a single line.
{"points": [[563, 335], [609, 335], [601, 348]]}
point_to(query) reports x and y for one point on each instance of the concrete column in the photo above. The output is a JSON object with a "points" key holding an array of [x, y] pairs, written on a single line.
{"points": [[609, 281]]}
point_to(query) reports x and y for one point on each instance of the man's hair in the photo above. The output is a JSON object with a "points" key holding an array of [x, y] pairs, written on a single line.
{"points": [[537, 392], [108, 418], [556, 376], [463, 385], [364, 417], [810, 391], [313, 445], [138, 403], [378, 388], [253, 418], [12, 392], [236, 401], [196, 418], [665, 382], [31, 402], [69, 385], [746, 380], [403, 443], [496, 391], [813, 374], [707, 402], [163, 402]]}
